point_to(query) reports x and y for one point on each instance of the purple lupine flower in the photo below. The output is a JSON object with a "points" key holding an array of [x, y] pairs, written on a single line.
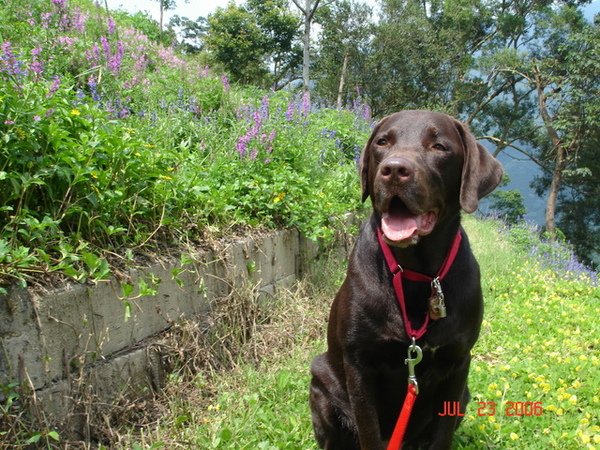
{"points": [[114, 62], [36, 118], [256, 126], [242, 145], [270, 140], [54, 86], [79, 19], [60, 3], [66, 41], [305, 103], [9, 122], [111, 25], [93, 55], [224, 80], [141, 62], [264, 108], [9, 63], [36, 52], [367, 114], [291, 109], [105, 47], [46, 19], [357, 151]]}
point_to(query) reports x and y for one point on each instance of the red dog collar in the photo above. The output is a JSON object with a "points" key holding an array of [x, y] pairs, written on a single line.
{"points": [[398, 273]]}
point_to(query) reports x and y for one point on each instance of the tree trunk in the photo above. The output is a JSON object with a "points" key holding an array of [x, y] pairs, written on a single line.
{"points": [[342, 79], [161, 15], [553, 194], [306, 54], [560, 158], [308, 11]]}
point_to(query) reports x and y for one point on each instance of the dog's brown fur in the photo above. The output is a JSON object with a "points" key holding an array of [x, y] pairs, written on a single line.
{"points": [[428, 163]]}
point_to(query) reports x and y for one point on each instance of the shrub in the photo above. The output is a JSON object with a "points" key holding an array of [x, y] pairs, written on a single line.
{"points": [[111, 141]]}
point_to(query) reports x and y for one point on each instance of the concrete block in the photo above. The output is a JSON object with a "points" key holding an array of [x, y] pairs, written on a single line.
{"points": [[81, 329]]}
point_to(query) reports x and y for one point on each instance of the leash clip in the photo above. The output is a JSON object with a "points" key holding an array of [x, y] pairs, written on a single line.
{"points": [[412, 361]]}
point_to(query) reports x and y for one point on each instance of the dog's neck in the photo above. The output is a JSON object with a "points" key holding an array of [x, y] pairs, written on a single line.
{"points": [[428, 254]]}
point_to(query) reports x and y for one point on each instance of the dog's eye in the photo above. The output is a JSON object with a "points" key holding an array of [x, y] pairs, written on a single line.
{"points": [[440, 147], [382, 141]]}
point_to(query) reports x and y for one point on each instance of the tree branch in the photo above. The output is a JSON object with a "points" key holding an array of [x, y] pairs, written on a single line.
{"points": [[313, 10], [484, 103], [505, 144], [299, 7]]}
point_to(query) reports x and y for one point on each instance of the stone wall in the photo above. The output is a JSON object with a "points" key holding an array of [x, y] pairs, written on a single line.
{"points": [[48, 339]]}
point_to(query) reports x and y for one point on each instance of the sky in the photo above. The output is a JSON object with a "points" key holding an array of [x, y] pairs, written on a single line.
{"points": [[201, 8], [192, 9]]}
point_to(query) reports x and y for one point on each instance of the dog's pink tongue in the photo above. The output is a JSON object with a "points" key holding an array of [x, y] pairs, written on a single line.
{"points": [[397, 227]]}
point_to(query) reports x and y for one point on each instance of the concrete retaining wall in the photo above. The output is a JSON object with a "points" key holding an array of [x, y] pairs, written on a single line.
{"points": [[47, 341]]}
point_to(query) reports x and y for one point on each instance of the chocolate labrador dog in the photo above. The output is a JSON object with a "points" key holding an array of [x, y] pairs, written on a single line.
{"points": [[420, 168]]}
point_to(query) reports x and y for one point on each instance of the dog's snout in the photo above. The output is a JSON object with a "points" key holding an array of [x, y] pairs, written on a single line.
{"points": [[397, 169]]}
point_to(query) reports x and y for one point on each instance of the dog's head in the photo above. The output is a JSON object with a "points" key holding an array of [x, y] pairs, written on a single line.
{"points": [[420, 167]]}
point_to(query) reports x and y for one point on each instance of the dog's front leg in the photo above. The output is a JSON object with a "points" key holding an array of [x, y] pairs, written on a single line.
{"points": [[453, 391], [361, 392]]}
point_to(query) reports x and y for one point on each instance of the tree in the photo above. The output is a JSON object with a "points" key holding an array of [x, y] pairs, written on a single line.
{"points": [[308, 12], [236, 42], [536, 66], [165, 5], [340, 65], [567, 70], [422, 53], [249, 40], [191, 32], [280, 31]]}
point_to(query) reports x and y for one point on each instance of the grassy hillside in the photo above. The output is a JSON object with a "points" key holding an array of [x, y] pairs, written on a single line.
{"points": [[534, 377], [113, 145]]}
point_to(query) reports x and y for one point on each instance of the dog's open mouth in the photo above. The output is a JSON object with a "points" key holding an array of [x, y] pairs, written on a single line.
{"points": [[401, 226]]}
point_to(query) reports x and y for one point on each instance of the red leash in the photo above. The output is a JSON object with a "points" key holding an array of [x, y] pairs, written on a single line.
{"points": [[400, 428], [436, 311]]}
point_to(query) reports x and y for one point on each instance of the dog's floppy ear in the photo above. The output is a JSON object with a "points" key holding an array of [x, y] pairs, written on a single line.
{"points": [[481, 171], [364, 162]]}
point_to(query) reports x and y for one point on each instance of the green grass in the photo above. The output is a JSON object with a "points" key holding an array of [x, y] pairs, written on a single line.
{"points": [[539, 343]]}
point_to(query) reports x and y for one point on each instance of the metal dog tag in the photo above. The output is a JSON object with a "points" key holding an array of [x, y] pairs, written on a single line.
{"points": [[437, 307]]}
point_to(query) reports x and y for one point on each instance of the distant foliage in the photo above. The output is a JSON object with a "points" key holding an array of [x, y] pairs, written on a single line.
{"points": [[508, 204]]}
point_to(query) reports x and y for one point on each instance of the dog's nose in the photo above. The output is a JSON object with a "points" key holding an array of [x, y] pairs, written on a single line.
{"points": [[397, 169]]}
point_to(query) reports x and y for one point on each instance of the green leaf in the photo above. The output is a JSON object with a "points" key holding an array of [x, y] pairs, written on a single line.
{"points": [[126, 290], [54, 435], [127, 311], [34, 439]]}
